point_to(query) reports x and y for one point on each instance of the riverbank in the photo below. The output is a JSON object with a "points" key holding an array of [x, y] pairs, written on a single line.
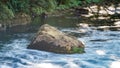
{"points": [[104, 19]]}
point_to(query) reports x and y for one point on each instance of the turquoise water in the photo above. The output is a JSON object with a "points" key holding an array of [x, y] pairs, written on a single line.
{"points": [[102, 51]]}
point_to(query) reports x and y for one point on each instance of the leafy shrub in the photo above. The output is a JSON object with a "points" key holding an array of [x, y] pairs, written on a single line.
{"points": [[5, 12]]}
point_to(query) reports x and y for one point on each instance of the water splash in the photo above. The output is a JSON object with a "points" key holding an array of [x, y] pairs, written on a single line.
{"points": [[100, 52]]}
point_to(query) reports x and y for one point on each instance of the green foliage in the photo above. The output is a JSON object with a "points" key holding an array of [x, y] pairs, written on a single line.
{"points": [[68, 3], [37, 10], [40, 6], [75, 3], [51, 5], [77, 50], [5, 12], [94, 1], [62, 7], [10, 7], [18, 5]]}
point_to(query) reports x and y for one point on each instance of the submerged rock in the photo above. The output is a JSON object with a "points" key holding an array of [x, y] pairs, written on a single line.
{"points": [[84, 28], [51, 39]]}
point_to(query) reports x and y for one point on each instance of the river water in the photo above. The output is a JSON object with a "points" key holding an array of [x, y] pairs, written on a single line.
{"points": [[102, 49]]}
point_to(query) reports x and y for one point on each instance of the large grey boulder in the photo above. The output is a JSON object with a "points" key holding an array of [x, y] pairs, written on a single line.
{"points": [[51, 39]]}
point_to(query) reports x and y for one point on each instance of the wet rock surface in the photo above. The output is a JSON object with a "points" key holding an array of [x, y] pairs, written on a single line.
{"points": [[51, 39]]}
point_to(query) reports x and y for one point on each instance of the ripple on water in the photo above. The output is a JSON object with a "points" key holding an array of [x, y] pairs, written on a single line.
{"points": [[99, 54]]}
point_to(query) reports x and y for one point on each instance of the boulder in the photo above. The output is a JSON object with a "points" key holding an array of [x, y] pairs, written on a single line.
{"points": [[51, 39]]}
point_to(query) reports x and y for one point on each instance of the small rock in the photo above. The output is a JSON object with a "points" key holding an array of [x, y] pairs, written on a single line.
{"points": [[83, 28], [83, 25], [117, 23]]}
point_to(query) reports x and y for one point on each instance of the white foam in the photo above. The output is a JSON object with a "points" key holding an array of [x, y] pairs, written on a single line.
{"points": [[4, 66], [44, 65], [71, 65], [83, 25], [100, 52], [115, 64]]}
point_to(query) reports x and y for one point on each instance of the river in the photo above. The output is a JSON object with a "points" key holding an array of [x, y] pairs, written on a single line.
{"points": [[102, 49]]}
